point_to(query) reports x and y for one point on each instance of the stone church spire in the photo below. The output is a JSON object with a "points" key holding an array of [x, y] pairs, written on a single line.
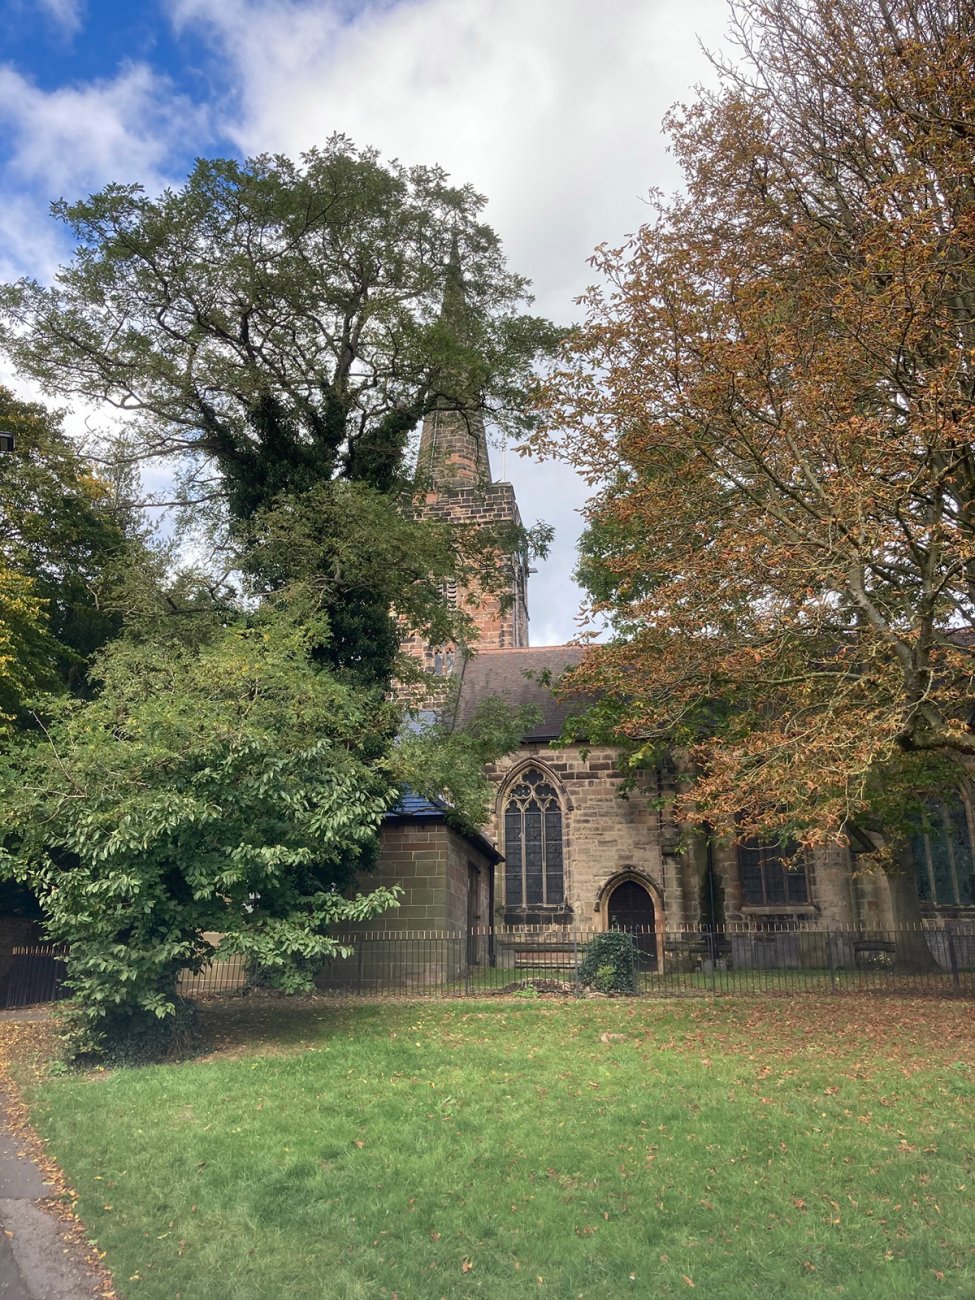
{"points": [[456, 486], [453, 440]]}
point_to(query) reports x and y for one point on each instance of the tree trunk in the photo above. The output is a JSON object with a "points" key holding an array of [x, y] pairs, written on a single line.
{"points": [[911, 951]]}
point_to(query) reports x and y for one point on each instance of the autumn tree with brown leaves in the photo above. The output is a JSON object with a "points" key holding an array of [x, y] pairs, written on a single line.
{"points": [[772, 397]]}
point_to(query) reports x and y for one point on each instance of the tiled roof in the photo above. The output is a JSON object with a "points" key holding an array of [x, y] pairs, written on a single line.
{"points": [[513, 675], [414, 805]]}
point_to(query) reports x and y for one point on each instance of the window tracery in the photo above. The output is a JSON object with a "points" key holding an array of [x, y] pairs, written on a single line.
{"points": [[533, 842]]}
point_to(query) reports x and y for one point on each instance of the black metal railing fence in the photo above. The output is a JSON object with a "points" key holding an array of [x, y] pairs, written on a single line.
{"points": [[937, 957], [737, 959], [35, 973]]}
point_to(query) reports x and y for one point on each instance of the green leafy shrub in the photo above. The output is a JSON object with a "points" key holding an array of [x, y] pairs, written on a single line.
{"points": [[225, 787], [609, 963]]}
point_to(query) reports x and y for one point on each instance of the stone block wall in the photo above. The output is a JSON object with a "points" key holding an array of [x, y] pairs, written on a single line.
{"points": [[606, 834], [470, 891], [431, 862], [839, 895], [413, 855], [474, 507], [424, 941], [453, 449]]}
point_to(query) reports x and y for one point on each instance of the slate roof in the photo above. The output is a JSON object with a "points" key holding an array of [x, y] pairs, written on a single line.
{"points": [[414, 805], [513, 675]]}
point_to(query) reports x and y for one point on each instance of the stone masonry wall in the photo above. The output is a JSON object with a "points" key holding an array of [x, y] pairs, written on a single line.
{"points": [[413, 855], [467, 869], [429, 861], [604, 834], [833, 898], [496, 628], [453, 449], [422, 943]]}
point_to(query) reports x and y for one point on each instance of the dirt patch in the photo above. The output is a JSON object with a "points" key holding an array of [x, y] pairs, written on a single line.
{"points": [[270, 1024], [559, 988]]}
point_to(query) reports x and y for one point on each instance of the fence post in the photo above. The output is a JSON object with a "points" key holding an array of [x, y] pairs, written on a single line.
{"points": [[952, 957], [832, 961], [575, 961]]}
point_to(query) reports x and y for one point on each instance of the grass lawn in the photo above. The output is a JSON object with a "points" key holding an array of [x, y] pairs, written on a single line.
{"points": [[799, 1147]]}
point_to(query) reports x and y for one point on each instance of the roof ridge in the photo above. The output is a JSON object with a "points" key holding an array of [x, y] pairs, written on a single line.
{"points": [[478, 651]]}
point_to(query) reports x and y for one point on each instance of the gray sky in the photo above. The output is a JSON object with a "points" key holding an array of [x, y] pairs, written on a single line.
{"points": [[552, 108]]}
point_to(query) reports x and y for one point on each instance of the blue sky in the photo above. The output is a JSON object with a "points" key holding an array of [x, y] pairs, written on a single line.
{"points": [[552, 108], [60, 41]]}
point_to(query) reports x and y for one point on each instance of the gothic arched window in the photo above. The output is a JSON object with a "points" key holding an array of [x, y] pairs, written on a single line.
{"points": [[533, 842]]}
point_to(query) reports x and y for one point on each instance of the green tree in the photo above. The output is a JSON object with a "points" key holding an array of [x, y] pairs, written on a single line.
{"points": [[223, 785], [342, 537], [61, 532], [216, 779], [774, 399], [278, 329], [281, 326], [26, 647]]}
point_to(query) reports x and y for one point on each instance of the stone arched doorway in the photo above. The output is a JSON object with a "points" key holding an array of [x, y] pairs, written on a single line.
{"points": [[629, 906]]}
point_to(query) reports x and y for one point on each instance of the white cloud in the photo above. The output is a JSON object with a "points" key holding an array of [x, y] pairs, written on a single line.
{"points": [[30, 244], [67, 15], [69, 142], [76, 138], [552, 108]]}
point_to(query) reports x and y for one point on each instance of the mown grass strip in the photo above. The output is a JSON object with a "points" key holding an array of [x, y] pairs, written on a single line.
{"points": [[523, 1148]]}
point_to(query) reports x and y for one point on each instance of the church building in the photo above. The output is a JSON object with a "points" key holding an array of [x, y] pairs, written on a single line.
{"points": [[566, 845]]}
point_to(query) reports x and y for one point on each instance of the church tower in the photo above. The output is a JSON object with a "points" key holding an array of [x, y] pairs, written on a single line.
{"points": [[457, 486]]}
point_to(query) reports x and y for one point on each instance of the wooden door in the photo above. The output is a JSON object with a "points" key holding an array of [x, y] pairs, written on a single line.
{"points": [[631, 909]]}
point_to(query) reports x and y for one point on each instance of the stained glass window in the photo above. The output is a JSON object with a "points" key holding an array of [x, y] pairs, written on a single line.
{"points": [[533, 842]]}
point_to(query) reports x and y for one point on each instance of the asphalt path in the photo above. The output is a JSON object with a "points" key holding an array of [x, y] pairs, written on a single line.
{"points": [[40, 1259]]}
